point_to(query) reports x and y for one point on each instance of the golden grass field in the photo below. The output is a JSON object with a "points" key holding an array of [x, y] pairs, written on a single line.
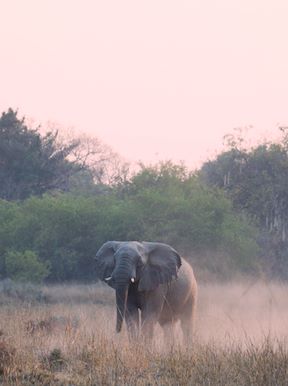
{"points": [[241, 332]]}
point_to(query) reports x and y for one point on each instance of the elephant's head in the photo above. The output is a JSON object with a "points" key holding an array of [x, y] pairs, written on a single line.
{"points": [[145, 265]]}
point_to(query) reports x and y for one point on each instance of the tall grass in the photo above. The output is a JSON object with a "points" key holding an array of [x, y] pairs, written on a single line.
{"points": [[240, 339]]}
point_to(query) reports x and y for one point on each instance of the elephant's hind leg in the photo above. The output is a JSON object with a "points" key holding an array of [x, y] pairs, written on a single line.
{"points": [[187, 322]]}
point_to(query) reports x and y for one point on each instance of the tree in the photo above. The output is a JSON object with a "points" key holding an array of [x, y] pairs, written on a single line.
{"points": [[98, 160], [31, 164], [256, 180]]}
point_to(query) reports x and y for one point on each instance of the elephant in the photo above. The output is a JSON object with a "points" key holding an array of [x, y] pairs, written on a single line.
{"points": [[152, 284]]}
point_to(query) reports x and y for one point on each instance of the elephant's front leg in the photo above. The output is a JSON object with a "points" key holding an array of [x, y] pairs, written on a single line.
{"points": [[132, 321], [151, 310]]}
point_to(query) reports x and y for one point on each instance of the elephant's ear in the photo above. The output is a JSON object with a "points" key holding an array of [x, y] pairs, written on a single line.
{"points": [[161, 266], [105, 262]]}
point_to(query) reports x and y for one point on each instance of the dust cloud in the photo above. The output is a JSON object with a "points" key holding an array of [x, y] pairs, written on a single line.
{"points": [[242, 312]]}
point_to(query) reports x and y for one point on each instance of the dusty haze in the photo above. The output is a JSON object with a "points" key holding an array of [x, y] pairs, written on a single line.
{"points": [[240, 312]]}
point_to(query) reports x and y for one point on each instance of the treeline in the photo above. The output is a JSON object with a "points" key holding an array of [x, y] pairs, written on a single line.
{"points": [[56, 236], [62, 198]]}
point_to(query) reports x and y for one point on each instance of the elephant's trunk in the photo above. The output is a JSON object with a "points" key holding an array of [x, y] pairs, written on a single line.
{"points": [[121, 302], [122, 277]]}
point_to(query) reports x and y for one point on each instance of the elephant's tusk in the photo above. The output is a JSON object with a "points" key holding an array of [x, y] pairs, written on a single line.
{"points": [[132, 279], [108, 278]]}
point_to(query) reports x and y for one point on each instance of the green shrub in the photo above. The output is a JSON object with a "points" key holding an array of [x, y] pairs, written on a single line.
{"points": [[25, 266]]}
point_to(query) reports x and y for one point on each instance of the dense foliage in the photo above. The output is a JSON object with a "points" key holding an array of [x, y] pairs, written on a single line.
{"points": [[65, 230]]}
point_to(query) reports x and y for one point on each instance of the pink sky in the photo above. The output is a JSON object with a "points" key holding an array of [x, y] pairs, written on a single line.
{"points": [[153, 79]]}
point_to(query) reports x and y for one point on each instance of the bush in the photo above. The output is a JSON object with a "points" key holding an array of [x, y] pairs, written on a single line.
{"points": [[25, 266]]}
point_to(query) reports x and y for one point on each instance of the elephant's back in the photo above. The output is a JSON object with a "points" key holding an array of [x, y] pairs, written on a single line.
{"points": [[182, 293], [186, 277]]}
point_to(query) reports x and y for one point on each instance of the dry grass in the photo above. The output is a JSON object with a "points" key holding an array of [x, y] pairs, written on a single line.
{"points": [[241, 339]]}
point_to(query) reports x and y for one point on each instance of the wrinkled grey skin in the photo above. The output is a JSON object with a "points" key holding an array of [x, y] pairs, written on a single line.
{"points": [[152, 283]]}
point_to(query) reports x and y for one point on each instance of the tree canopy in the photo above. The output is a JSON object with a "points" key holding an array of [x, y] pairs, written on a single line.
{"points": [[31, 164]]}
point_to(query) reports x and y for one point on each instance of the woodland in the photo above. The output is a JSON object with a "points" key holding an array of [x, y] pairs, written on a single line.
{"points": [[63, 196]]}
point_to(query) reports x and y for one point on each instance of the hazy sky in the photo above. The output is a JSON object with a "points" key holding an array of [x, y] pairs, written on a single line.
{"points": [[153, 79]]}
